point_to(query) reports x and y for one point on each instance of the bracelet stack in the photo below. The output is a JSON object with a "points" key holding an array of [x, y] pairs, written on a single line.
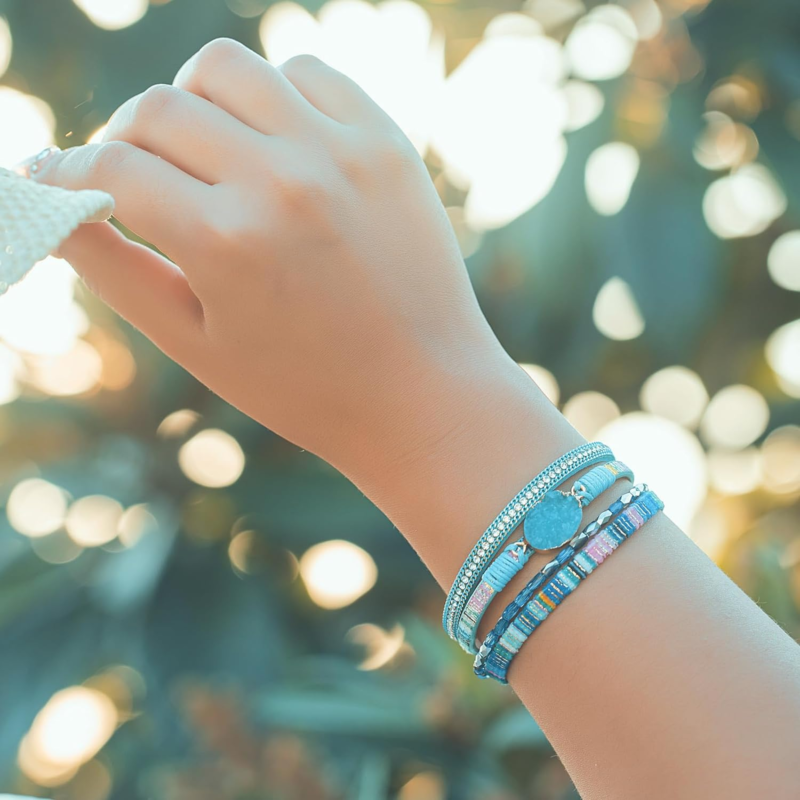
{"points": [[496, 534], [545, 529], [551, 519]]}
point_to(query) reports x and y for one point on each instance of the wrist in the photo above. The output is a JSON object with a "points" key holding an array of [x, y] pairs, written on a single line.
{"points": [[441, 467]]}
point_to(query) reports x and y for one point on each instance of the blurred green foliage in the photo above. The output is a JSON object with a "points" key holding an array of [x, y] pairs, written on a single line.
{"points": [[243, 688]]}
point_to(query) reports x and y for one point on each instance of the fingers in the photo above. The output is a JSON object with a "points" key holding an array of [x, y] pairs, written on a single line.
{"points": [[331, 91], [141, 286], [153, 198], [195, 135], [247, 87]]}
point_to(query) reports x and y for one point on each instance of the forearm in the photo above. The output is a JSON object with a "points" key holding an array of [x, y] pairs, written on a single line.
{"points": [[660, 672]]}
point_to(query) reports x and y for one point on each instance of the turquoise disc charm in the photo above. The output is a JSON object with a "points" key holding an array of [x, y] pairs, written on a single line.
{"points": [[553, 521]]}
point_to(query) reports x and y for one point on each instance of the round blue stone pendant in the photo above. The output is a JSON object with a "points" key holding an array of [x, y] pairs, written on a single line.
{"points": [[553, 521]]}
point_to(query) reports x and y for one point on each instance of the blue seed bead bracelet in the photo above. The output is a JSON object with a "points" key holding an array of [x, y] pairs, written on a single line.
{"points": [[566, 581], [548, 524], [548, 570], [495, 535]]}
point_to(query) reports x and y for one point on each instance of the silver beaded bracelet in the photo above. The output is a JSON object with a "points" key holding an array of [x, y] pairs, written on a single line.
{"points": [[497, 533]]}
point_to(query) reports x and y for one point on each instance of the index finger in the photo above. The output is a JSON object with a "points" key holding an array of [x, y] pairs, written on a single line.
{"points": [[153, 198]]}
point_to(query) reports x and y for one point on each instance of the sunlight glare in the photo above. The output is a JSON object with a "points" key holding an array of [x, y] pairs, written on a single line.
{"points": [[337, 573], [6, 45], [588, 412], [744, 203], [783, 261], [73, 727], [212, 458], [735, 417], [33, 128], [113, 15], [676, 393], [94, 520], [601, 44], [616, 313], [36, 507], [664, 455], [610, 173], [783, 355]]}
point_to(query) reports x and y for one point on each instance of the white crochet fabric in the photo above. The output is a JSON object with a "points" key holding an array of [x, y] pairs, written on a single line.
{"points": [[35, 219]]}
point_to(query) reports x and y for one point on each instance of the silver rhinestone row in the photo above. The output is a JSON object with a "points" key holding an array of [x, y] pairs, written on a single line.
{"points": [[498, 532]]}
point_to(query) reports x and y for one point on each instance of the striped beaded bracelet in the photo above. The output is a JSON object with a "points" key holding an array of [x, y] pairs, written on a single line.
{"points": [[548, 524], [549, 569], [497, 662], [496, 534]]}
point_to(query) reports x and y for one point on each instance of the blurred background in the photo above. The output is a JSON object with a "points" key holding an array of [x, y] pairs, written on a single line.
{"points": [[192, 608]]}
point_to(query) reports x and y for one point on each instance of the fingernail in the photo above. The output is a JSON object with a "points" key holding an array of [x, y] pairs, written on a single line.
{"points": [[30, 167]]}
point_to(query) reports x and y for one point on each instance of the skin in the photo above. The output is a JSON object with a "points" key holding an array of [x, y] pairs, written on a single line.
{"points": [[313, 280]]}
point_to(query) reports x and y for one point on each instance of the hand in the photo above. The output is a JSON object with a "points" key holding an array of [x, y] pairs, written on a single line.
{"points": [[319, 286]]}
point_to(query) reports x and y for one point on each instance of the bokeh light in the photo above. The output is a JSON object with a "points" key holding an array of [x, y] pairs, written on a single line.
{"points": [[212, 458], [545, 380], [781, 460], [737, 96], [735, 417], [602, 43], [336, 573], [6, 45], [507, 153], [36, 507], [39, 315], [57, 548], [646, 15], [676, 393], [93, 521], [33, 128], [74, 725], [113, 15], [77, 371], [724, 144], [610, 173], [709, 530], [389, 49], [783, 355], [12, 371], [589, 412], [134, 523], [744, 203], [240, 549], [616, 313], [783, 261], [381, 645], [664, 455], [735, 471], [585, 103], [178, 423]]}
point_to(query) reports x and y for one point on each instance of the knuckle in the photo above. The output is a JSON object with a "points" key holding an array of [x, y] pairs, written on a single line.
{"points": [[109, 159], [363, 157], [300, 64], [153, 102], [216, 51], [225, 223], [392, 150], [299, 189]]}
